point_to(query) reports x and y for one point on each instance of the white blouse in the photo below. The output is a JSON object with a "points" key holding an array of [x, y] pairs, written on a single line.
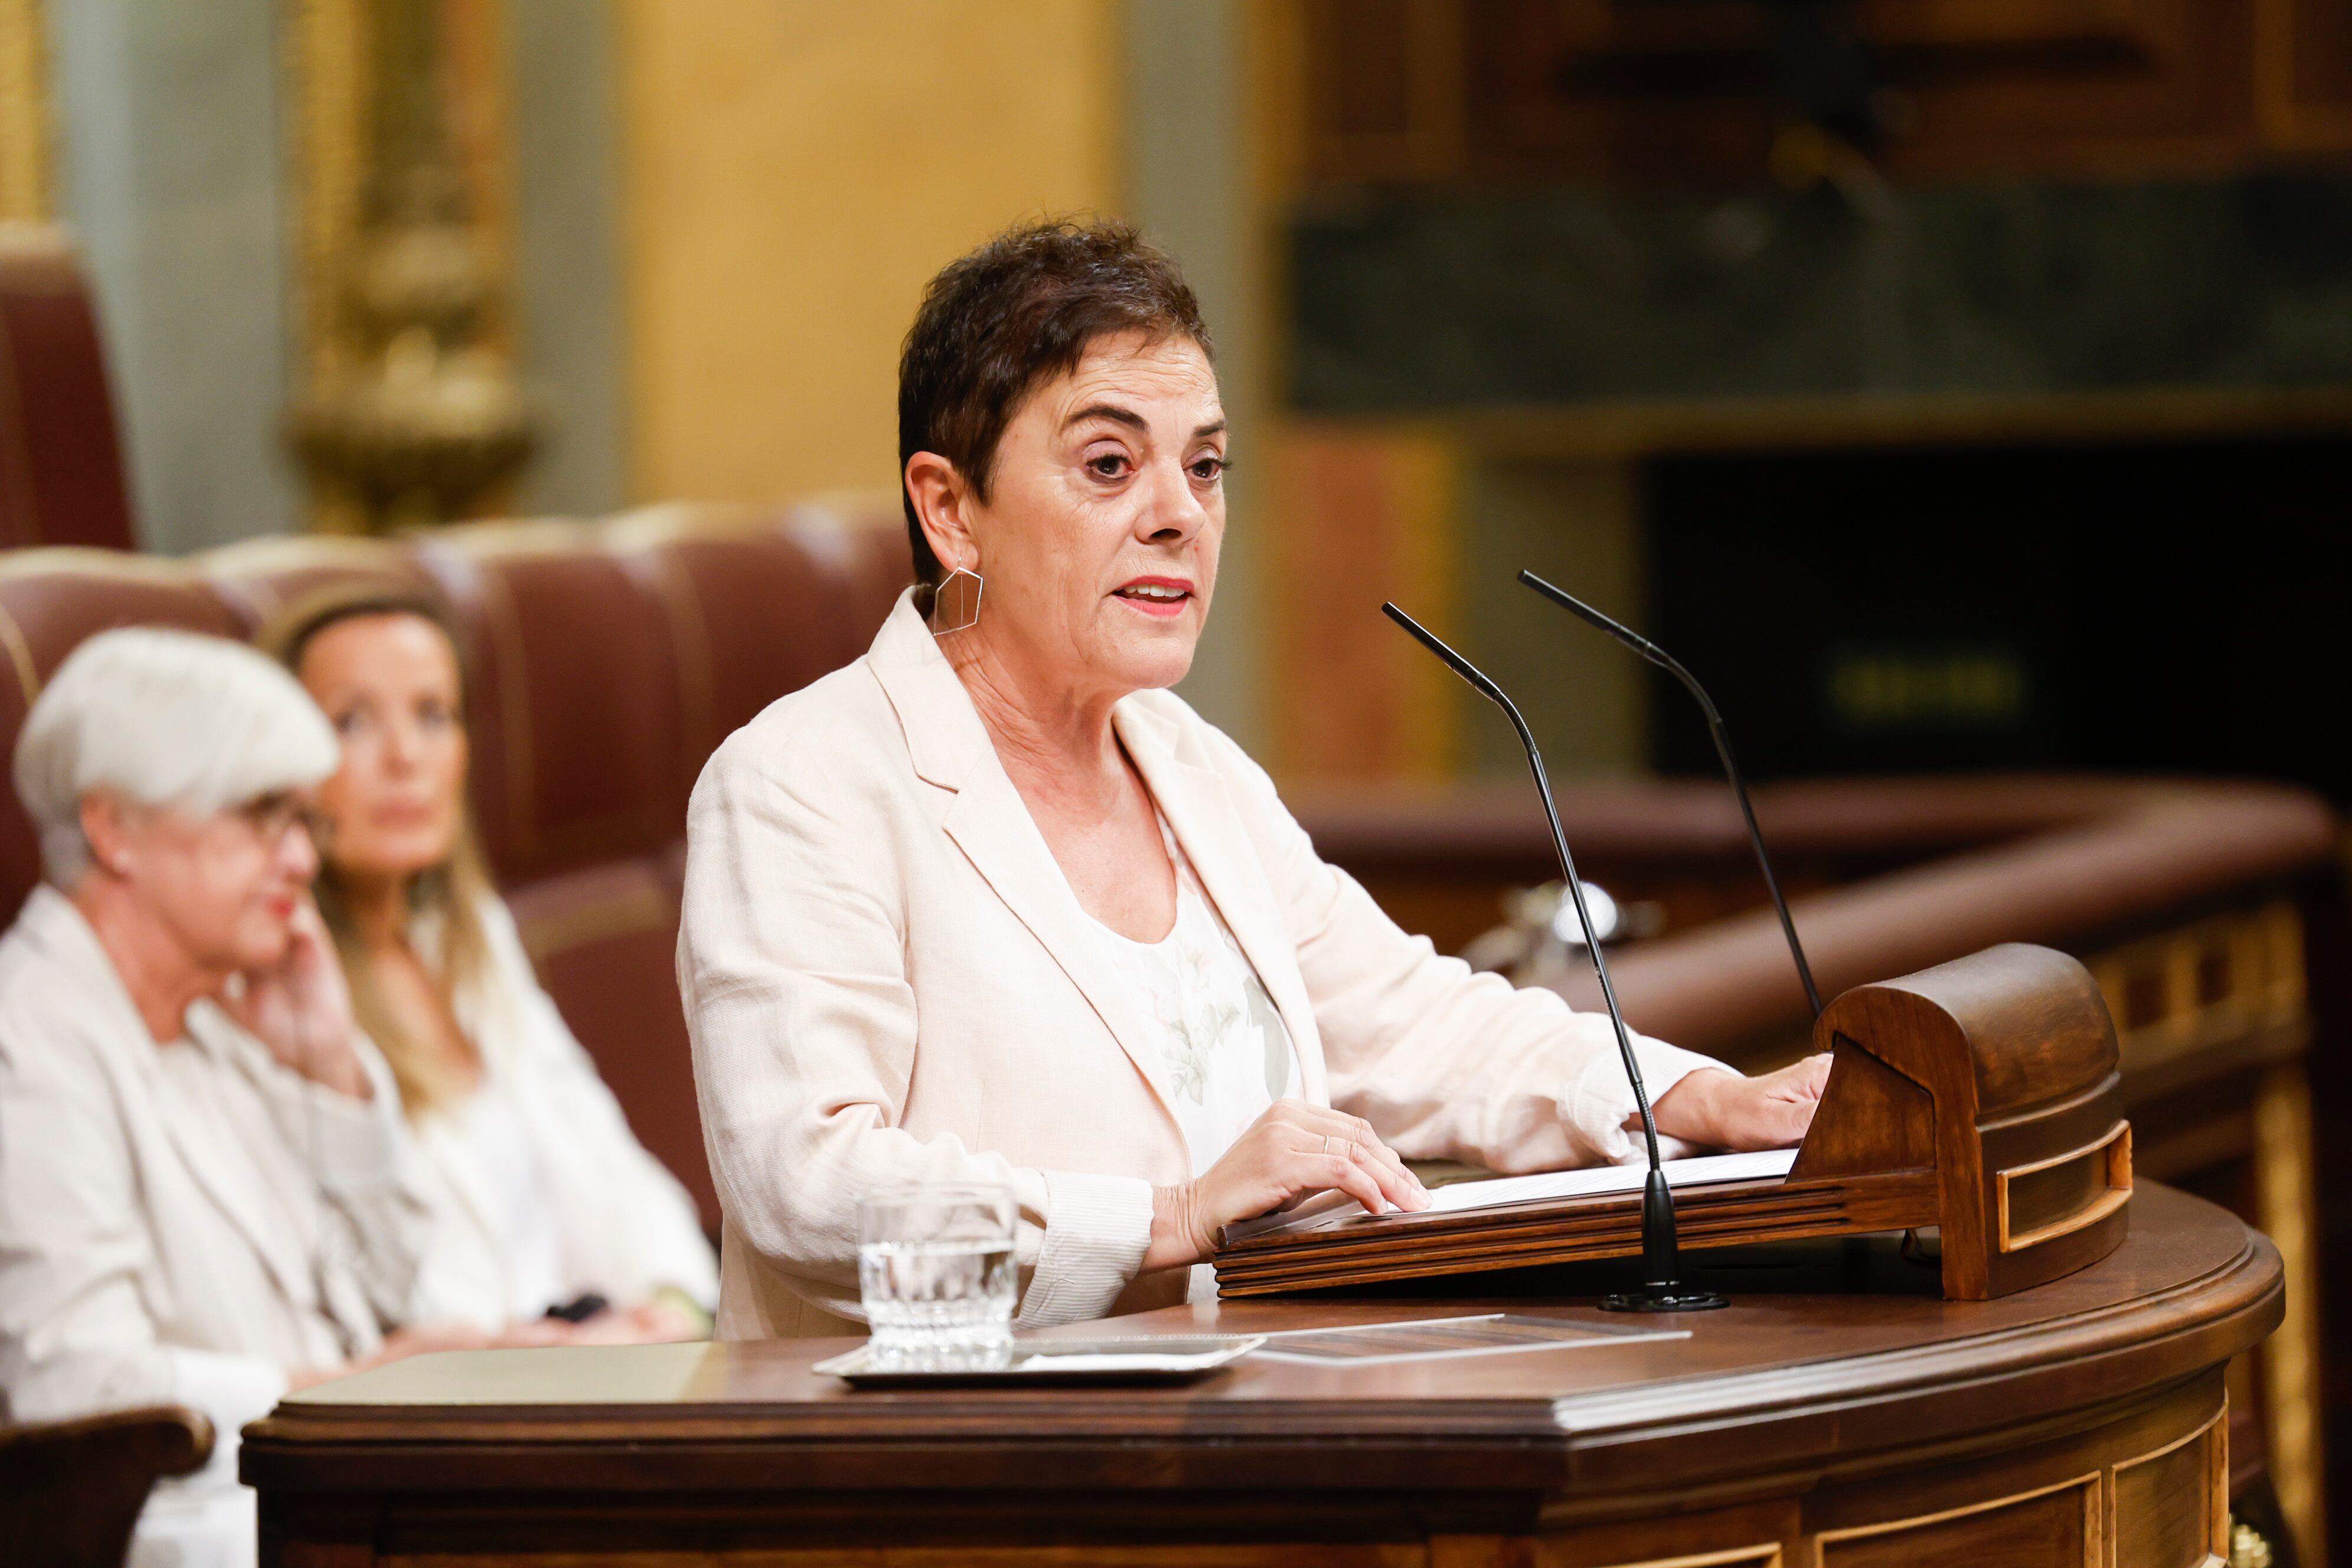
{"points": [[1224, 1050], [540, 1192], [1227, 1053], [491, 1132]]}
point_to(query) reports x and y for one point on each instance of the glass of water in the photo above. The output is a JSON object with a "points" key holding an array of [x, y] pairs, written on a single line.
{"points": [[935, 1269]]}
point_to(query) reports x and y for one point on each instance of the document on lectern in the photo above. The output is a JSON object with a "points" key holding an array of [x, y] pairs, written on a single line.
{"points": [[1500, 1191]]}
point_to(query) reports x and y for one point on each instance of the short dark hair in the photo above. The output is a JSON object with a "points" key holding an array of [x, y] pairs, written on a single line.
{"points": [[1015, 313]]}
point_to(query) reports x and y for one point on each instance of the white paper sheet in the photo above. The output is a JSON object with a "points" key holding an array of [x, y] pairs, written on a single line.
{"points": [[1466, 1197]]}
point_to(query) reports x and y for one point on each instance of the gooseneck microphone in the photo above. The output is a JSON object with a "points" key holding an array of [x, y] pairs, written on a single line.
{"points": [[1662, 1287], [1671, 666]]}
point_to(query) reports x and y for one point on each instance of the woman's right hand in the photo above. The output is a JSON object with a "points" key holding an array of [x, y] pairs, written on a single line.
{"points": [[1292, 1150], [301, 1008]]}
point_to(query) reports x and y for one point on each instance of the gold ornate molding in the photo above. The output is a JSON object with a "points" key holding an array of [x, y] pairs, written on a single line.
{"points": [[2285, 1198], [2212, 981], [411, 411], [27, 173], [326, 43], [2236, 977]]}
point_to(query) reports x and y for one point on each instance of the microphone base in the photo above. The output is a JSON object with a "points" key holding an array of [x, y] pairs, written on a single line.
{"points": [[1664, 1298]]}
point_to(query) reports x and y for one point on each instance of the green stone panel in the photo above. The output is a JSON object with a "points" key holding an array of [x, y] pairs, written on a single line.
{"points": [[1413, 303]]}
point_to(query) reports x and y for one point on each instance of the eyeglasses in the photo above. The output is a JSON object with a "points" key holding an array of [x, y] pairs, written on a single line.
{"points": [[273, 817]]}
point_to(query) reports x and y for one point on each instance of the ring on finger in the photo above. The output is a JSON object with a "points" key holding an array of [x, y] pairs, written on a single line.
{"points": [[1327, 1143]]}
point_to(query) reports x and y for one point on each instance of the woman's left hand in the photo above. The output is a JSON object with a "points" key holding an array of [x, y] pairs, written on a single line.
{"points": [[1724, 1110], [301, 1009]]}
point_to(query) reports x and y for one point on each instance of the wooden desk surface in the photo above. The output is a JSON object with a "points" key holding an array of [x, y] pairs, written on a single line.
{"points": [[1776, 1385]]}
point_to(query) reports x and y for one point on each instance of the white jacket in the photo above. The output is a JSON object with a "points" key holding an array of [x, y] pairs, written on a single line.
{"points": [[887, 978], [182, 1224]]}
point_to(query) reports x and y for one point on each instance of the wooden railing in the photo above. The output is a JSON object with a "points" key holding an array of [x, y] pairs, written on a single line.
{"points": [[2185, 899]]}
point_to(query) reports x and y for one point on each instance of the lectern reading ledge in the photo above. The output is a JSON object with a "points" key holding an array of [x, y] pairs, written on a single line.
{"points": [[1980, 1096]]}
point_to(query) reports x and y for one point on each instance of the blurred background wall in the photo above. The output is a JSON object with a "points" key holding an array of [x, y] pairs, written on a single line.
{"points": [[704, 228], [1744, 320], [1895, 363], [167, 162], [794, 175]]}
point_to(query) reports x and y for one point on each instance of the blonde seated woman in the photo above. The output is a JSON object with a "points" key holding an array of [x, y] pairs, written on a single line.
{"points": [[542, 1198]]}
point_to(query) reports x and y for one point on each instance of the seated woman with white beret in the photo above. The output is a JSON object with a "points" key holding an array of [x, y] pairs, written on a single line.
{"points": [[204, 1196]]}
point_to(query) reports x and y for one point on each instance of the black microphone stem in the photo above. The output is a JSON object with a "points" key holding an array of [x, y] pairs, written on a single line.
{"points": [[1661, 1289], [1716, 727], [1584, 919], [1494, 693]]}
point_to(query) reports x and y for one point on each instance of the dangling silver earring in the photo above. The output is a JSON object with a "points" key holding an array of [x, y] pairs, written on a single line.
{"points": [[956, 605]]}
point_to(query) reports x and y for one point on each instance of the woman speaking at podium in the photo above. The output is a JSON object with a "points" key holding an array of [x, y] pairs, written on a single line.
{"points": [[992, 904]]}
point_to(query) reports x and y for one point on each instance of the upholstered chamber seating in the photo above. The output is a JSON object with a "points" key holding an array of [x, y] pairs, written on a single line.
{"points": [[61, 475], [608, 660]]}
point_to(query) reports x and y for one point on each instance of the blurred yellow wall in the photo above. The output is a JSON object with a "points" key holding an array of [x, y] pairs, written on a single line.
{"points": [[795, 171]]}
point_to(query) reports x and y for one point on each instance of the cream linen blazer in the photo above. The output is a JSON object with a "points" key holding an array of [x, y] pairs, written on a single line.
{"points": [[886, 978], [179, 1224]]}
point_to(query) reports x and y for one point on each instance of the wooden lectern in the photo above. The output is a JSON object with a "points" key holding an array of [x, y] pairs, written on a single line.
{"points": [[2082, 1424], [1979, 1097]]}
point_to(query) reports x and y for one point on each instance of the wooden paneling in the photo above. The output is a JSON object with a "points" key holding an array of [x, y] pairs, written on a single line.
{"points": [[2058, 1528], [1367, 515], [1385, 89], [1281, 1554], [1765, 1556], [1621, 90], [2046, 1198], [2304, 64], [2285, 1205], [1887, 1428], [2172, 1505], [1748, 1535]]}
